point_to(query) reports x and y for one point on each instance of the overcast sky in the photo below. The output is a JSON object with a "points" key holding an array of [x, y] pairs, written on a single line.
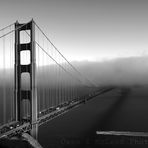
{"points": [[86, 29]]}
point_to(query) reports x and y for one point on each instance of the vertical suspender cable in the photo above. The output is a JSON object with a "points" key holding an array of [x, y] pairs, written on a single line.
{"points": [[58, 82], [46, 76], [4, 80], [55, 82], [39, 76], [52, 85], [10, 83], [64, 82], [43, 75], [42, 97]]}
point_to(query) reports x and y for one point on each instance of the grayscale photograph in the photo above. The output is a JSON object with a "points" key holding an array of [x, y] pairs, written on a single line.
{"points": [[73, 73]]}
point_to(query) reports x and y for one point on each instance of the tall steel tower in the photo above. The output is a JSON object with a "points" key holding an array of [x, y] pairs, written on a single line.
{"points": [[21, 94]]}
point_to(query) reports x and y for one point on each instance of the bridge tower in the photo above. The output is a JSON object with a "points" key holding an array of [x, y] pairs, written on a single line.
{"points": [[20, 94]]}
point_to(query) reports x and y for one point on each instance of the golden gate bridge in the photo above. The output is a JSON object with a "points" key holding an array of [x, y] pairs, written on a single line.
{"points": [[38, 83]]}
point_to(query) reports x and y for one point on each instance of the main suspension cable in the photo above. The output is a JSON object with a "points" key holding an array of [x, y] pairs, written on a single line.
{"points": [[65, 57]]}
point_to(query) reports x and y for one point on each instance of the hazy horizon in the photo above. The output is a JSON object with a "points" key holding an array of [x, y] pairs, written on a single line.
{"points": [[121, 71]]}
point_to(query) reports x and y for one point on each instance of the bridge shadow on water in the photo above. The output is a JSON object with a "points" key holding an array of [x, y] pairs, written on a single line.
{"points": [[117, 110], [107, 122], [104, 123], [106, 119]]}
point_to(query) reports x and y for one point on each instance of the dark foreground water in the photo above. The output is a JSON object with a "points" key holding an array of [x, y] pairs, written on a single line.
{"points": [[118, 110]]}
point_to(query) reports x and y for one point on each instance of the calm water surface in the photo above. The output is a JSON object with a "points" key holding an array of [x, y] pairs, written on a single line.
{"points": [[119, 110]]}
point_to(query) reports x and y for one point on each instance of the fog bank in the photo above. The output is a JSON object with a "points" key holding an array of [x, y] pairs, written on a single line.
{"points": [[121, 71]]}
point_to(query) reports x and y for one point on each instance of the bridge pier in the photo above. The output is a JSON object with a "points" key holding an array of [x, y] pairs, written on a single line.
{"points": [[34, 131]]}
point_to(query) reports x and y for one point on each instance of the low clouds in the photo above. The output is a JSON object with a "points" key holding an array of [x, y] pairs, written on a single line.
{"points": [[121, 71]]}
